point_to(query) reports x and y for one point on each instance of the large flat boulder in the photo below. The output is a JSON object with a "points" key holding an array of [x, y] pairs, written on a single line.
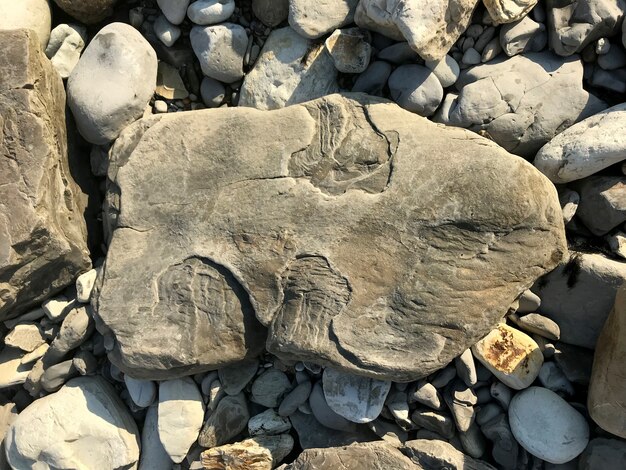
{"points": [[325, 220], [42, 230]]}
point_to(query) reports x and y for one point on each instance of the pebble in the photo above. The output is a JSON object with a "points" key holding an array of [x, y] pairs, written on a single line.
{"points": [[426, 394], [229, 418], [487, 35], [538, 324], [57, 307], [167, 33], [84, 285], [461, 400], [215, 394], [529, 302], [358, 399], [212, 92], [471, 57], [617, 243], [473, 441], [505, 448], [416, 89], [207, 12], [547, 426], [220, 50], [295, 398], [75, 329], [446, 70], [85, 363], [160, 106], [25, 336], [553, 378], [602, 46], [491, 51], [271, 12], [603, 454], [614, 59], [66, 43], [142, 392], [444, 376], [55, 376], [501, 393], [521, 36], [234, 378], [268, 423], [180, 416], [512, 356], [465, 368], [398, 54], [350, 49], [174, 10], [435, 421], [269, 388], [373, 80]]}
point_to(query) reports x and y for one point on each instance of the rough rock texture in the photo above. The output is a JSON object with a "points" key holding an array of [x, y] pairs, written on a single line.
{"points": [[374, 455], [29, 14], [433, 453], [430, 26], [507, 11], [585, 148], [607, 391], [290, 70], [314, 19], [521, 100], [257, 453], [579, 295], [87, 11], [42, 231], [352, 215], [573, 24], [83, 423]]}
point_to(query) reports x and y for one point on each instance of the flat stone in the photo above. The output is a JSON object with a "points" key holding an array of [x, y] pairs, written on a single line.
{"points": [[268, 423], [358, 399], [350, 49], [180, 416], [538, 324], [435, 453], [461, 400], [142, 392], [34, 15], [220, 50], [229, 419], [547, 426], [206, 12], [153, 455], [435, 421], [90, 12], [42, 244], [416, 89], [257, 453], [283, 293], [507, 11], [513, 118], [607, 390], [602, 204], [65, 46], [269, 388], [112, 83], [512, 356], [602, 454], [26, 336], [579, 295], [85, 422], [290, 70], [84, 285], [315, 19], [235, 378], [425, 24], [465, 368], [12, 370], [426, 394]]}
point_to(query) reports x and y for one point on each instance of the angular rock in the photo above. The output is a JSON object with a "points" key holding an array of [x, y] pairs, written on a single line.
{"points": [[430, 26], [512, 356], [558, 439], [574, 25], [88, 12], [434, 453], [426, 394], [603, 454], [517, 101], [220, 50], [42, 229], [27, 14], [257, 453], [585, 148], [234, 378], [84, 285], [153, 455], [12, 370], [268, 423], [83, 423], [315, 19], [180, 416], [112, 83], [297, 268], [26, 336], [607, 390], [226, 422], [65, 46], [167, 33], [350, 49], [579, 295], [507, 11], [290, 70], [602, 204]]}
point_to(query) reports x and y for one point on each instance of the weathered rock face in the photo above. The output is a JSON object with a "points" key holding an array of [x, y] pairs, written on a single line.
{"points": [[521, 100], [88, 12], [430, 26], [336, 230], [607, 391], [42, 230], [507, 11]]}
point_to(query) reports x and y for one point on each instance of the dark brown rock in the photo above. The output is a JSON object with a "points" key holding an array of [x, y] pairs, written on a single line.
{"points": [[42, 230]]}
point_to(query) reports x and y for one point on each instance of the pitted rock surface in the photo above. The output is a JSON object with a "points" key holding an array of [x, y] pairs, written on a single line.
{"points": [[342, 216]]}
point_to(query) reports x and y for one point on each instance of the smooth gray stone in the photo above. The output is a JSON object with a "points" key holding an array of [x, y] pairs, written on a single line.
{"points": [[373, 80], [465, 368], [473, 441], [416, 89], [142, 392], [234, 378], [461, 400], [398, 54], [575, 362], [529, 302], [444, 376], [325, 415], [269, 388], [435, 421], [212, 92], [614, 59], [55, 376], [295, 398], [553, 378], [153, 455]]}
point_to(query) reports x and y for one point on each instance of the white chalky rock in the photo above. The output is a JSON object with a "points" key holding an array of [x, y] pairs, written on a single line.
{"points": [[174, 10], [84, 285], [206, 12], [67, 41]]}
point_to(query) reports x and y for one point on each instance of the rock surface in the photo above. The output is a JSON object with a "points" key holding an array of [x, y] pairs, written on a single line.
{"points": [[112, 83], [88, 12], [28, 14], [83, 423], [507, 11], [602, 205], [258, 453], [603, 454], [153, 455], [315, 19], [520, 100], [607, 390], [220, 50], [434, 453], [42, 231], [295, 264]]}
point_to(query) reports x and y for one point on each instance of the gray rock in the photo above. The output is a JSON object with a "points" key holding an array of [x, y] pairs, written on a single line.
{"points": [[84, 285], [112, 83], [235, 378], [444, 376], [290, 70], [505, 450], [55, 376], [552, 378], [268, 423], [416, 89], [142, 392], [473, 442], [13, 371], [85, 363], [491, 50], [180, 416], [329, 285], [269, 388], [435, 453], [399, 53], [426, 394], [579, 295], [206, 12], [508, 11], [585, 148], [573, 26], [465, 368], [77, 326], [435, 421], [509, 93], [312, 434], [34, 15], [229, 419], [358, 399], [153, 455], [461, 400], [315, 19], [167, 33], [520, 36], [613, 60], [558, 440], [350, 49], [529, 302], [575, 362], [271, 12], [174, 10], [42, 243], [85, 422], [538, 324], [471, 57], [388, 431], [501, 393], [603, 453], [220, 50], [373, 80], [325, 415], [488, 412], [485, 37], [425, 25], [295, 398], [65, 46], [212, 92], [602, 204], [90, 12], [446, 70]]}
